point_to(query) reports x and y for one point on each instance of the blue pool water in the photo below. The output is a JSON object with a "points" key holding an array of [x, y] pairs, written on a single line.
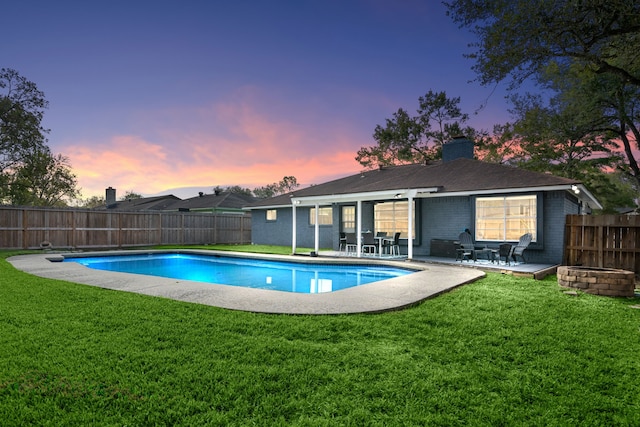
{"points": [[246, 272]]}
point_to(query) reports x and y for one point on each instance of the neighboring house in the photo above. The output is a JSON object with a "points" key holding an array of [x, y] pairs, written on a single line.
{"points": [[157, 203], [219, 202], [426, 203]]}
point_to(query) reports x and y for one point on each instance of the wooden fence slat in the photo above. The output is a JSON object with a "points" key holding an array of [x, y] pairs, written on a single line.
{"points": [[27, 228], [604, 241]]}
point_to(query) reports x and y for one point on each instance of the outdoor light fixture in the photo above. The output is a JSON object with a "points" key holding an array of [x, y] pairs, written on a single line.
{"points": [[397, 196], [575, 189]]}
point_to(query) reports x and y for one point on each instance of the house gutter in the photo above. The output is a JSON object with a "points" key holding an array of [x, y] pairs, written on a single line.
{"points": [[398, 193], [578, 190]]}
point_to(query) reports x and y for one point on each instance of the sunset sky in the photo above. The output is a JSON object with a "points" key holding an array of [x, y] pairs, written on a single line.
{"points": [[153, 96]]}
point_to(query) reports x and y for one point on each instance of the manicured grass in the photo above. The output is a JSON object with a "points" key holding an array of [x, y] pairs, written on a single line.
{"points": [[500, 351]]}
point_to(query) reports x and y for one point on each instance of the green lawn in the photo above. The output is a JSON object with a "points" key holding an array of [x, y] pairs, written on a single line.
{"points": [[500, 351]]}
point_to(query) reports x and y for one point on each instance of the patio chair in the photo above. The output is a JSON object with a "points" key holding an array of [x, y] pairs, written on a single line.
{"points": [[369, 243], [351, 242], [343, 242], [466, 250], [504, 251], [518, 250], [393, 246]]}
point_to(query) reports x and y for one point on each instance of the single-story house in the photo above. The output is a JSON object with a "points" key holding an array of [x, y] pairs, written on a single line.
{"points": [[429, 204], [156, 203], [219, 202]]}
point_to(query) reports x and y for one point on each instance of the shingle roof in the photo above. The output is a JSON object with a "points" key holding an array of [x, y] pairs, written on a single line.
{"points": [[227, 200], [460, 175], [157, 203]]}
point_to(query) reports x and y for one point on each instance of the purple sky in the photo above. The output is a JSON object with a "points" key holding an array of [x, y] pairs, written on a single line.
{"points": [[151, 96]]}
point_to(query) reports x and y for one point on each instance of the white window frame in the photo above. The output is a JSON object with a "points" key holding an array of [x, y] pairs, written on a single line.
{"points": [[506, 218], [271, 215], [396, 219], [348, 219], [325, 216]]}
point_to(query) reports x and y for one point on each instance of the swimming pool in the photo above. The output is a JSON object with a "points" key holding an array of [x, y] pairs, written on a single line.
{"points": [[308, 278]]}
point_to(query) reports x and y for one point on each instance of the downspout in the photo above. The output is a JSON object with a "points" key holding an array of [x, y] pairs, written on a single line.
{"points": [[317, 230], [295, 227], [359, 228], [410, 195]]}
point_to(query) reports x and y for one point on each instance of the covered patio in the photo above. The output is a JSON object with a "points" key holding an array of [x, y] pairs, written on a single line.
{"points": [[358, 198], [533, 270]]}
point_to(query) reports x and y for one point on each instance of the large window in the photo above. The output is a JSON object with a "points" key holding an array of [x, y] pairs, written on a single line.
{"points": [[348, 218], [325, 216], [392, 217], [506, 218]]}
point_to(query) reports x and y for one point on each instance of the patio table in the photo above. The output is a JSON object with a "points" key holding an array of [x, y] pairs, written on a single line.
{"points": [[489, 253], [381, 240]]}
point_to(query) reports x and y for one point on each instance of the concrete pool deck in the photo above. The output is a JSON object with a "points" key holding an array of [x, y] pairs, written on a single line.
{"points": [[393, 294]]}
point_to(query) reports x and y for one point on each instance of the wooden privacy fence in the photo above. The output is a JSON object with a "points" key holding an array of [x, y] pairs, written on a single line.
{"points": [[603, 241], [29, 228]]}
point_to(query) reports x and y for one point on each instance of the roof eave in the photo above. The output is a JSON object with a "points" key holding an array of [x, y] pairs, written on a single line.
{"points": [[582, 193], [364, 196]]}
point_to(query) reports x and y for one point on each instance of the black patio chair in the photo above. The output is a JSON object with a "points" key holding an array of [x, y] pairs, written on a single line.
{"points": [[466, 249], [369, 243], [518, 250], [504, 251], [343, 242], [351, 242], [393, 246]]}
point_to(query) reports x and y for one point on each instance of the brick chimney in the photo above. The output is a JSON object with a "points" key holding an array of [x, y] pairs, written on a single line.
{"points": [[457, 148], [110, 196]]}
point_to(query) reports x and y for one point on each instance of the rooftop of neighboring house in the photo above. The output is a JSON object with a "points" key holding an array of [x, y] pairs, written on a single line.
{"points": [[218, 201]]}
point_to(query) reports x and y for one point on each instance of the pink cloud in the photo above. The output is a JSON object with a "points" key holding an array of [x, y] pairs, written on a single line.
{"points": [[229, 143]]}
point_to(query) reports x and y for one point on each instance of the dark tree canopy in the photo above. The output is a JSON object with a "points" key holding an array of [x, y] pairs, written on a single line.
{"points": [[519, 38], [29, 173], [585, 54], [416, 139], [21, 110], [285, 185], [43, 179]]}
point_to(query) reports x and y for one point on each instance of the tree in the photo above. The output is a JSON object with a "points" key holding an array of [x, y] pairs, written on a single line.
{"points": [[499, 147], [588, 47], [43, 179], [130, 195], [93, 202], [286, 185], [29, 172], [416, 139], [21, 110], [520, 38], [233, 189]]}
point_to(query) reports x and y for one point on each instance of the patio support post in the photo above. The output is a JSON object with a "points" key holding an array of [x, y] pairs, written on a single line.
{"points": [[410, 197], [294, 231], [317, 230], [359, 228]]}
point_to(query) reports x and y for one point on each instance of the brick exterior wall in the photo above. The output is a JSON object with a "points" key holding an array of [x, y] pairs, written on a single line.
{"points": [[438, 218], [279, 232]]}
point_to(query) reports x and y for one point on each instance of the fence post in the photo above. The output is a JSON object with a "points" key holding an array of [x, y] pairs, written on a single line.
{"points": [[25, 232], [215, 228]]}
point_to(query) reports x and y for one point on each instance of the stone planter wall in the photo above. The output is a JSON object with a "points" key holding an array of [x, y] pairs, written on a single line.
{"points": [[598, 281]]}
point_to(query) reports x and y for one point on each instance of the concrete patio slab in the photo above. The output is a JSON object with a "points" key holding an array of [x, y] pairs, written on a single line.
{"points": [[392, 294]]}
